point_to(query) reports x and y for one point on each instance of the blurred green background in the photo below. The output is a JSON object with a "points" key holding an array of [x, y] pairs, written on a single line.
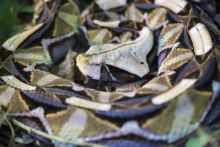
{"points": [[13, 15]]}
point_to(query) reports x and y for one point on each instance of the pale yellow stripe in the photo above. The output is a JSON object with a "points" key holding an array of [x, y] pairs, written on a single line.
{"points": [[14, 82], [175, 60], [170, 34], [181, 87], [88, 104], [13, 43], [201, 39], [156, 86], [156, 18], [110, 24], [174, 5]]}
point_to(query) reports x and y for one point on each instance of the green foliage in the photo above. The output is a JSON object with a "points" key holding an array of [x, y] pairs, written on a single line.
{"points": [[198, 141], [9, 22], [204, 138]]}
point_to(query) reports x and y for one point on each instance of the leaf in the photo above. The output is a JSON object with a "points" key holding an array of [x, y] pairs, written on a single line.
{"points": [[67, 19], [129, 56], [34, 55], [109, 4], [14, 42]]}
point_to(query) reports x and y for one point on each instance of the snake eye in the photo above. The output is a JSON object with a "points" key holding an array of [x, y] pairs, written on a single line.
{"points": [[201, 39]]}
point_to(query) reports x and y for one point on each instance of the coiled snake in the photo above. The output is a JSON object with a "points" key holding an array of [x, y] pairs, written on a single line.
{"points": [[114, 73]]}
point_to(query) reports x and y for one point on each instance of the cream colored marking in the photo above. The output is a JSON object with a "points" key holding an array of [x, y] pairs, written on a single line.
{"points": [[172, 46], [75, 101], [174, 5], [173, 31], [77, 87], [109, 4], [46, 79], [6, 96], [14, 82], [156, 86], [165, 38], [155, 19], [179, 58], [201, 39], [74, 126], [109, 24], [29, 56], [175, 60], [181, 87], [132, 12]]}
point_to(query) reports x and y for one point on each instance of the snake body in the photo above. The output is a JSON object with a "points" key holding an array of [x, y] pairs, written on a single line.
{"points": [[44, 86]]}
